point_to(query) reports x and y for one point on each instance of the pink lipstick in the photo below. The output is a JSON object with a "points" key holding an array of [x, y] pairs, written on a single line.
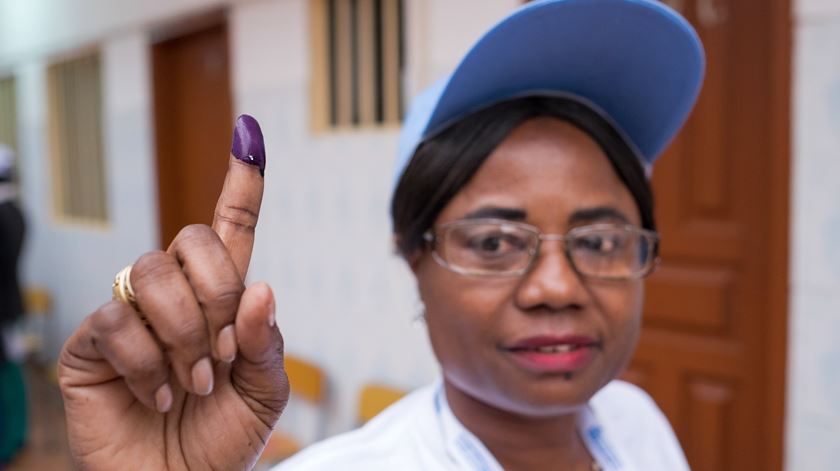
{"points": [[554, 354]]}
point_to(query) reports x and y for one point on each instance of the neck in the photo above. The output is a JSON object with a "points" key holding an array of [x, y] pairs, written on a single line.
{"points": [[518, 441]]}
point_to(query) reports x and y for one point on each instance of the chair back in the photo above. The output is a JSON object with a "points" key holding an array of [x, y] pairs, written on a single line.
{"points": [[374, 398], [37, 300], [306, 379]]}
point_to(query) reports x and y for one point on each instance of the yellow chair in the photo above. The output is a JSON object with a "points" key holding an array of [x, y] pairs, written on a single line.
{"points": [[37, 303], [42, 370], [37, 300], [374, 398], [306, 379], [308, 382]]}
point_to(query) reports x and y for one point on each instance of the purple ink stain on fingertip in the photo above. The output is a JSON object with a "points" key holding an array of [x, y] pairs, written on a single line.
{"points": [[248, 145]]}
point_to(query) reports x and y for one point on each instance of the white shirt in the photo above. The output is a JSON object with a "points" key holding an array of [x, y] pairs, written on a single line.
{"points": [[622, 427]]}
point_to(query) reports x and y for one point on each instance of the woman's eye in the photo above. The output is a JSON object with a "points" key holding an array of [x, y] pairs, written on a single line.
{"points": [[602, 244], [486, 243], [490, 244], [495, 244]]}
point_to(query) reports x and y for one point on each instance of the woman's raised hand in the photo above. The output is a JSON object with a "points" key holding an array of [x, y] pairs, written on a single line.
{"points": [[202, 385]]}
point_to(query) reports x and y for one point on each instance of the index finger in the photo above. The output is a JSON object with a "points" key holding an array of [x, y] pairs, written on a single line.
{"points": [[238, 208]]}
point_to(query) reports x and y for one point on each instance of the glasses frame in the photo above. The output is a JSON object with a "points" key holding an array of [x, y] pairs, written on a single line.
{"points": [[653, 237]]}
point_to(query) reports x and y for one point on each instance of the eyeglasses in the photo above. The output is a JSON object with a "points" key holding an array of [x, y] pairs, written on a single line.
{"points": [[497, 247]]}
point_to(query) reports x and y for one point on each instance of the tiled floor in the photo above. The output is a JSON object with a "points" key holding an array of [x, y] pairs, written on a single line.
{"points": [[46, 449]]}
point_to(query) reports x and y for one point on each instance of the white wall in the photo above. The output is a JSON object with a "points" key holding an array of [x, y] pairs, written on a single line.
{"points": [[75, 262], [344, 300], [813, 428], [37, 28]]}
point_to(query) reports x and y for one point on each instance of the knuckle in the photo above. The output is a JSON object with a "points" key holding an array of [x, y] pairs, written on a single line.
{"points": [[243, 218], [188, 333], [194, 233], [222, 296], [153, 266], [109, 318], [146, 366]]}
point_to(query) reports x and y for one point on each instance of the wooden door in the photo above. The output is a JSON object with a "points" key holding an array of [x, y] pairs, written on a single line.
{"points": [[712, 351], [193, 123]]}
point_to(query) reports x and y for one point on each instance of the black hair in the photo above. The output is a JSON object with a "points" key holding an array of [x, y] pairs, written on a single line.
{"points": [[444, 163]]}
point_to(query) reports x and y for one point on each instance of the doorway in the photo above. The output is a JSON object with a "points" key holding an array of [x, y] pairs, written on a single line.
{"points": [[193, 124]]}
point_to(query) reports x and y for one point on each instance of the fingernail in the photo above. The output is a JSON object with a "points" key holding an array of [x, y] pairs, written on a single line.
{"points": [[202, 376], [227, 344], [272, 319], [248, 145], [163, 398]]}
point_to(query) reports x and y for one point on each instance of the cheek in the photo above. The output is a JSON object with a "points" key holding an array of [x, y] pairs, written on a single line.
{"points": [[461, 314], [622, 311]]}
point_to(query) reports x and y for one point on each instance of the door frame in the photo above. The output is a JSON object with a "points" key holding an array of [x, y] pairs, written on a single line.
{"points": [[781, 28]]}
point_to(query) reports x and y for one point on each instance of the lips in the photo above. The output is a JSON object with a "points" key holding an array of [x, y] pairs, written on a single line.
{"points": [[554, 354], [561, 348]]}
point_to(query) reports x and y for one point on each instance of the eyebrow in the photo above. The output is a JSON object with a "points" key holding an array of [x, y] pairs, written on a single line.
{"points": [[496, 212], [579, 216], [596, 213]]}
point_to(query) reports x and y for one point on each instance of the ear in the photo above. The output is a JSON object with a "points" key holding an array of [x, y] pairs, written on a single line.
{"points": [[413, 259]]}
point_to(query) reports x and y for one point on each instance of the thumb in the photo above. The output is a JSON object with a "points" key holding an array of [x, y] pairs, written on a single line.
{"points": [[258, 373]]}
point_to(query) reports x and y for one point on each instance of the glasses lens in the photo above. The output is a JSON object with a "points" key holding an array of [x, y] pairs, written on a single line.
{"points": [[611, 252], [489, 248]]}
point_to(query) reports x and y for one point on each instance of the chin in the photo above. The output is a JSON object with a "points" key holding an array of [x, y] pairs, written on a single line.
{"points": [[543, 396]]}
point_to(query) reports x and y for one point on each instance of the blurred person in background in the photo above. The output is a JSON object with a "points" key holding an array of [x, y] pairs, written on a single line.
{"points": [[12, 391], [522, 206]]}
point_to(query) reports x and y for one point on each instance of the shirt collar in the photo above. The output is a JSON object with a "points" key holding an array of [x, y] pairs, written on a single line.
{"points": [[467, 451]]}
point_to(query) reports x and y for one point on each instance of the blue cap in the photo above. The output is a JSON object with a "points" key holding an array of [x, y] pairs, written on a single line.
{"points": [[637, 62]]}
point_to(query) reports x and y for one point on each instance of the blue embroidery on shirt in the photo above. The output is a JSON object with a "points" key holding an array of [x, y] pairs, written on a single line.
{"points": [[474, 453], [597, 437], [466, 444]]}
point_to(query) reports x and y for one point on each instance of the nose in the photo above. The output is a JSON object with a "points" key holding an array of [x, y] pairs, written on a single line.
{"points": [[551, 283]]}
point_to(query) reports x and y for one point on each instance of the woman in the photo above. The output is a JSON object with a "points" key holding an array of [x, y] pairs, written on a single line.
{"points": [[523, 209]]}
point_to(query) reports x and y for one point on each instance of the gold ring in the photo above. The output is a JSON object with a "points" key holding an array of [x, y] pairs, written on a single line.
{"points": [[121, 290]]}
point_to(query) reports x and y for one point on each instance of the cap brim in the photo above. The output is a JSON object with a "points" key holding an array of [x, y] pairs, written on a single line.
{"points": [[639, 61]]}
